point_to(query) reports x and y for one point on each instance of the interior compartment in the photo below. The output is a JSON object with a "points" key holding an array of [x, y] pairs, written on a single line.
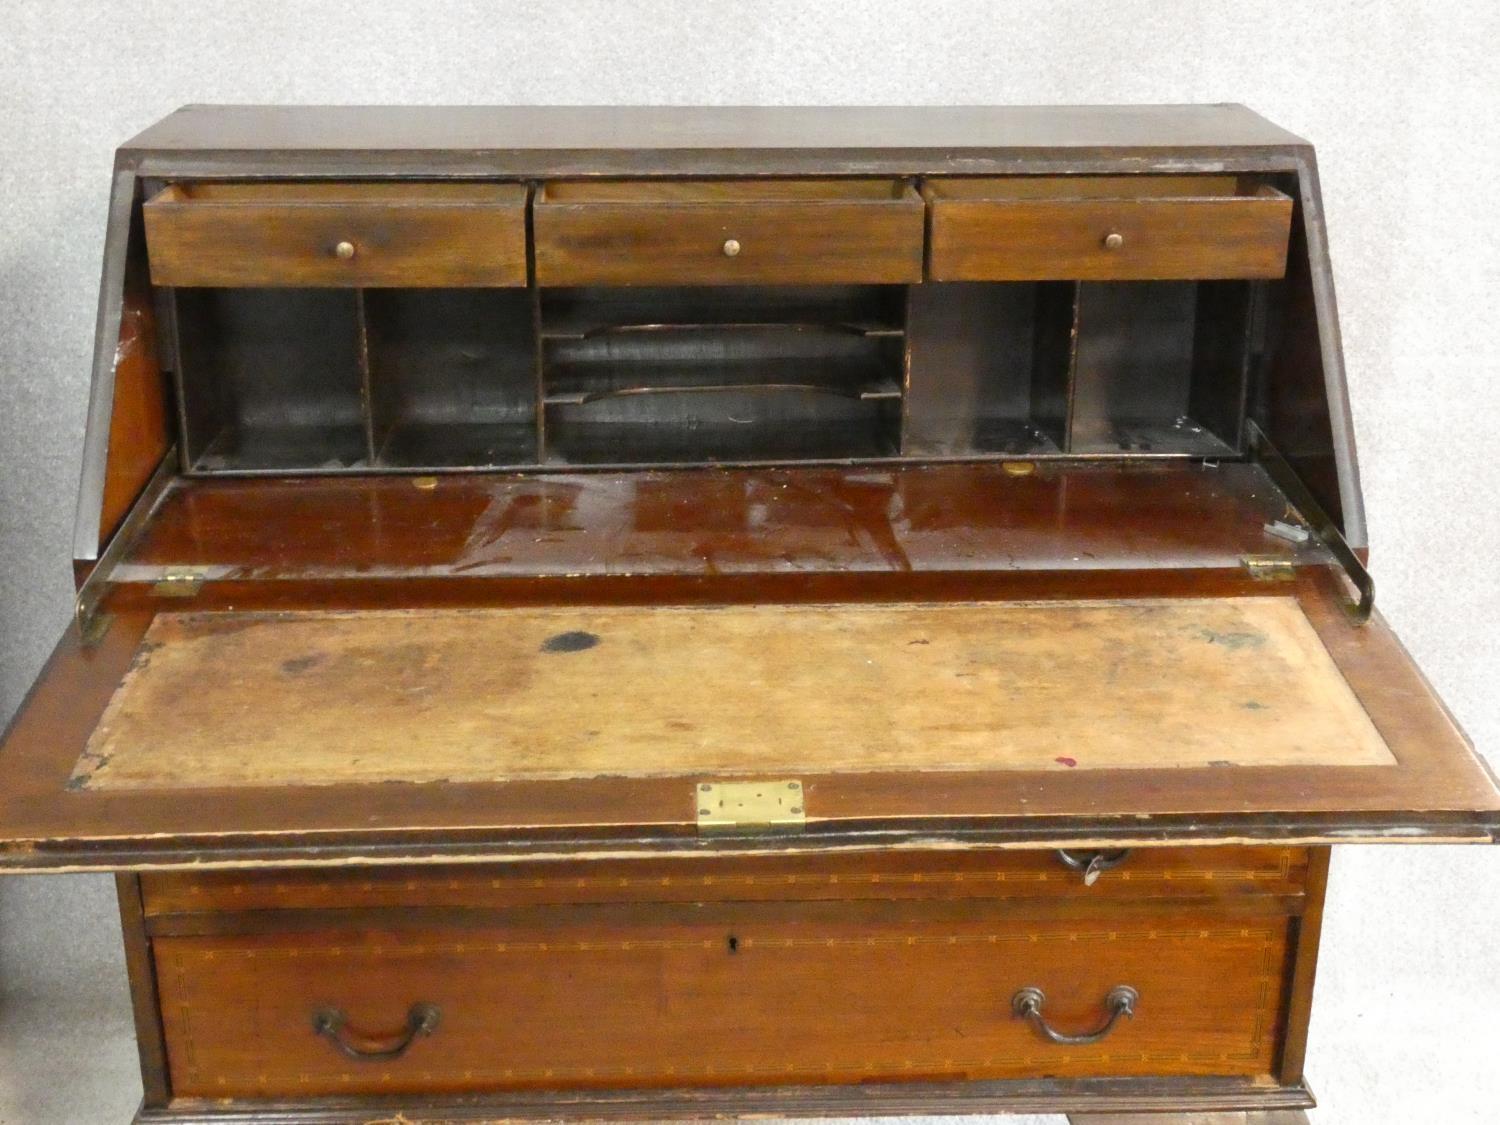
{"points": [[330, 380], [1161, 367], [271, 379], [733, 374], [452, 377], [988, 368]]}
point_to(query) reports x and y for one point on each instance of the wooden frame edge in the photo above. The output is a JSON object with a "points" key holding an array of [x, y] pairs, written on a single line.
{"points": [[1306, 936], [144, 1002], [1078, 1096]]}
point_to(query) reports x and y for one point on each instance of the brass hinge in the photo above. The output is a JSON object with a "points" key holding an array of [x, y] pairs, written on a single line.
{"points": [[750, 806], [1269, 568], [182, 583]]}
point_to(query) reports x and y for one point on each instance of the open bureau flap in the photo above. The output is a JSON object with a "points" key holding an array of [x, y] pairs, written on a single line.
{"points": [[1038, 706]]}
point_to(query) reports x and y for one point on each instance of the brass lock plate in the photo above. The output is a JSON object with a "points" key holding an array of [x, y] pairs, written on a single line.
{"points": [[750, 806]]}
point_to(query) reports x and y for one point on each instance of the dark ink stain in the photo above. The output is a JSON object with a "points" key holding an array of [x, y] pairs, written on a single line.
{"points": [[1069, 762], [1235, 641], [1220, 763], [1253, 705], [300, 664], [922, 641], [576, 641]]}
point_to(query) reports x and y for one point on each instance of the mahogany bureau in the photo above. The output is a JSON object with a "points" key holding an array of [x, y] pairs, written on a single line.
{"points": [[648, 613]]}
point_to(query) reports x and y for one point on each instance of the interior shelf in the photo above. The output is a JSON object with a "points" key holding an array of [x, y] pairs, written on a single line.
{"points": [[577, 314], [711, 375], [633, 443], [583, 383]]}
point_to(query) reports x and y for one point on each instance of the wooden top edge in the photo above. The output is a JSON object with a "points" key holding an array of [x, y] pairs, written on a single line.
{"points": [[764, 129]]}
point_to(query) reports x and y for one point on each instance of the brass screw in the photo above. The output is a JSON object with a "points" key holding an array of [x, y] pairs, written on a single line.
{"points": [[731, 247], [1114, 240], [344, 250]]}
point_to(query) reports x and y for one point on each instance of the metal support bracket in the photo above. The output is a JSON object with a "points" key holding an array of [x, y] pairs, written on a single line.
{"points": [[92, 623], [1286, 479]]}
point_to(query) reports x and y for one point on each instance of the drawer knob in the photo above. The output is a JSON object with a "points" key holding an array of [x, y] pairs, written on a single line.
{"points": [[1114, 240], [731, 247], [1093, 864], [333, 1025], [344, 250], [1027, 1005]]}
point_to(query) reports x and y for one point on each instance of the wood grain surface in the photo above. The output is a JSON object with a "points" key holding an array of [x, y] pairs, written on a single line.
{"points": [[558, 1002], [404, 234], [320, 698], [1267, 878], [782, 232], [1042, 228]]}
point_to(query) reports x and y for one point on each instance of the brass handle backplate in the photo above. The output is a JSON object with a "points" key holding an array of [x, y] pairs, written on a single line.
{"points": [[1093, 864], [1121, 1001], [333, 1025]]}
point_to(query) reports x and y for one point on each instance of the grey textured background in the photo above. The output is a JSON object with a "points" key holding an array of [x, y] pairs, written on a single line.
{"points": [[1401, 100]]}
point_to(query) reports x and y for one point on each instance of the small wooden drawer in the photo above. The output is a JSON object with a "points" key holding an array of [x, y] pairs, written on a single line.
{"points": [[1243, 881], [746, 994], [728, 232], [409, 235], [1106, 228]]}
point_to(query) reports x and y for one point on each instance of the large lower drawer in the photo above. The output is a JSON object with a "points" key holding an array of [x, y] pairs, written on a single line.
{"points": [[698, 994]]}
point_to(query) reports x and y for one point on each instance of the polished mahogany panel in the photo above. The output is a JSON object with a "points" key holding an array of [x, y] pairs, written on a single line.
{"points": [[568, 1000], [941, 518]]}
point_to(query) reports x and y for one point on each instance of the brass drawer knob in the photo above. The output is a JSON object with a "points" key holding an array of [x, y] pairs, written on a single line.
{"points": [[1114, 240], [344, 250], [333, 1025], [731, 247], [1027, 1005]]}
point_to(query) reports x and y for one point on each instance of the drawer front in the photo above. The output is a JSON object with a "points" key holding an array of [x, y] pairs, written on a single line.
{"points": [[376, 235], [1021, 234], [1267, 879], [562, 1004], [805, 233]]}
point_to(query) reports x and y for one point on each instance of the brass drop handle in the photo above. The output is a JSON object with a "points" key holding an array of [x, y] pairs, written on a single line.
{"points": [[1114, 240], [731, 247], [344, 250], [333, 1025], [1121, 1001], [1093, 864]]}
